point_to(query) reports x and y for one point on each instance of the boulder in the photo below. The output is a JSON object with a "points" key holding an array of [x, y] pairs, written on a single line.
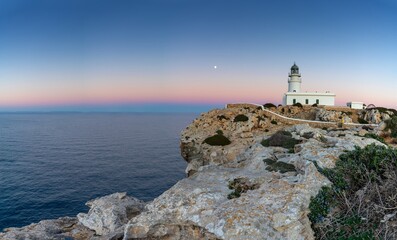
{"points": [[57, 229], [109, 213]]}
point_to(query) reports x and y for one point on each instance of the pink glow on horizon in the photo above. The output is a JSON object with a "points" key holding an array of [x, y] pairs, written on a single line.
{"points": [[124, 90]]}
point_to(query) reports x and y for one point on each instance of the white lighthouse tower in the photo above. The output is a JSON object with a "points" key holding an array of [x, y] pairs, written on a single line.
{"points": [[294, 81], [294, 94]]}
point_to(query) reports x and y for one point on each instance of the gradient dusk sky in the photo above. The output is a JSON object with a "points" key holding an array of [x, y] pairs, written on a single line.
{"points": [[159, 55]]}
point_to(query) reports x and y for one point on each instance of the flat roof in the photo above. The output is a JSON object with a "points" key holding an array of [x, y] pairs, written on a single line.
{"points": [[310, 94]]}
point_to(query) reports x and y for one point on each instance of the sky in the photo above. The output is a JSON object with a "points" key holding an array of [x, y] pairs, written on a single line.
{"points": [[160, 55]]}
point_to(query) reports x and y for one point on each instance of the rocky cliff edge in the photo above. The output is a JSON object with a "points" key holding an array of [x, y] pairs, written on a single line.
{"points": [[238, 186]]}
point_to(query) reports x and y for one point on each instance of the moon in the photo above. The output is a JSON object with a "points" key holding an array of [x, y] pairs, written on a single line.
{"points": [[215, 67]]}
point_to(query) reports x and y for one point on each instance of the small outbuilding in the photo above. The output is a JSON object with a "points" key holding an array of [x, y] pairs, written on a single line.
{"points": [[355, 105]]}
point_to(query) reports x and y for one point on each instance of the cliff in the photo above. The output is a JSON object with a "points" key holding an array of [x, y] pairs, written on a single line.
{"points": [[251, 175]]}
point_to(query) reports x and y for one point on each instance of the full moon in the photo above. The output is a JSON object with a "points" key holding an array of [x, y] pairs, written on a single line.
{"points": [[215, 67]]}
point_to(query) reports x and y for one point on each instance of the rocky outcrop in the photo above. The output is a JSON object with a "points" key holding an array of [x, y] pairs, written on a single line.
{"points": [[332, 116], [58, 229], [105, 220], [239, 189], [108, 214], [375, 116], [241, 134], [276, 209]]}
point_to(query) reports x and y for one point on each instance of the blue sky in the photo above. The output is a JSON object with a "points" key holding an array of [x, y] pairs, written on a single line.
{"points": [[109, 55]]}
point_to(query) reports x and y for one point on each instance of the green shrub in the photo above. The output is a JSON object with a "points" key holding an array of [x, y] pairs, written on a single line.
{"points": [[269, 105], [315, 105], [281, 139], [376, 137], [261, 118], [217, 140], [394, 111], [219, 132], [362, 194], [391, 124], [275, 166], [273, 122], [298, 105], [221, 117], [362, 121], [240, 185], [321, 204], [241, 118]]}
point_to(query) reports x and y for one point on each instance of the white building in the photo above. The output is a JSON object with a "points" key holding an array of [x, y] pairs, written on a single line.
{"points": [[355, 105], [294, 94]]}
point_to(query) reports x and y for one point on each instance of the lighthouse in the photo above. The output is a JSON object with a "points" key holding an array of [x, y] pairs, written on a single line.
{"points": [[294, 80], [294, 94]]}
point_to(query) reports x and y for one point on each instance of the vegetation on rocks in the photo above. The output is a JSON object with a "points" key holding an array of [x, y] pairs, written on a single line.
{"points": [[273, 122], [298, 105], [384, 110], [362, 121], [217, 140], [280, 139], [241, 118], [240, 185], [391, 124], [221, 117], [376, 137], [361, 203], [269, 105], [278, 166]]}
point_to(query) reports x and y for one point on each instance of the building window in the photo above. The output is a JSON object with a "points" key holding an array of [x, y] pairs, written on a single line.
{"points": [[307, 101], [293, 101], [317, 101]]}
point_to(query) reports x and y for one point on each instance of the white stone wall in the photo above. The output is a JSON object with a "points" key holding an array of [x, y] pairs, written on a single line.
{"points": [[323, 99], [355, 105]]}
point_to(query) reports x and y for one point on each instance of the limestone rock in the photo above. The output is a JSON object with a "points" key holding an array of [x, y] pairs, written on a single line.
{"points": [[241, 134], [57, 229], [276, 209], [332, 116], [109, 213], [271, 203]]}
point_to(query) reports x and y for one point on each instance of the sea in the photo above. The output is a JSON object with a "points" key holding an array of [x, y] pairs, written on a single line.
{"points": [[51, 164]]}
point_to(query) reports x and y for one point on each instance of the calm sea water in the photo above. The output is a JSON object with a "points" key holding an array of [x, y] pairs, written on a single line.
{"points": [[51, 164]]}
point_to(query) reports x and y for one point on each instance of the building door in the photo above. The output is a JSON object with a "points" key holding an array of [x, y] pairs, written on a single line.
{"points": [[307, 101]]}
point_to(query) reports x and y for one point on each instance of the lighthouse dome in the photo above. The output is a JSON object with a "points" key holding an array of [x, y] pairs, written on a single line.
{"points": [[294, 69]]}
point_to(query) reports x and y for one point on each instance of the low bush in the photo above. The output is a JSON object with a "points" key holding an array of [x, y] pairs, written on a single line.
{"points": [[391, 124], [273, 122], [315, 105], [298, 105], [362, 121], [281, 139], [221, 117], [361, 202], [240, 118], [376, 137], [240, 185], [275, 166], [217, 140], [269, 105]]}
